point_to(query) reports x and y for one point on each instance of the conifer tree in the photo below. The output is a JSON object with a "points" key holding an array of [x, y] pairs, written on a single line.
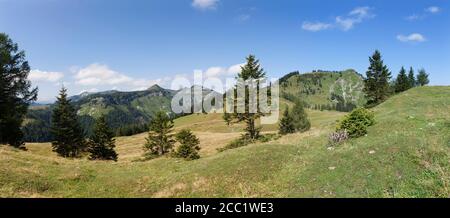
{"points": [[101, 144], [376, 83], [68, 136], [411, 78], [15, 92], [286, 125], [422, 78], [402, 83], [300, 117], [189, 145], [160, 138], [251, 71]]}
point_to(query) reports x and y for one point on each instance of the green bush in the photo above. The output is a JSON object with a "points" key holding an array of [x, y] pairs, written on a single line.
{"points": [[268, 137], [356, 122], [189, 145], [245, 140]]}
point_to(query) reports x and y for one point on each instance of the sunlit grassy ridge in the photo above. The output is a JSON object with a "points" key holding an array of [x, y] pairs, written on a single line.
{"points": [[405, 154]]}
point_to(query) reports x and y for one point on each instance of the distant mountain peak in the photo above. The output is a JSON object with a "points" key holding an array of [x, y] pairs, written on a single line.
{"points": [[155, 87]]}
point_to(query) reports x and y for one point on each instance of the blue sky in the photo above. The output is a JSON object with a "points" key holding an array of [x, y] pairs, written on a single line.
{"points": [[97, 45]]}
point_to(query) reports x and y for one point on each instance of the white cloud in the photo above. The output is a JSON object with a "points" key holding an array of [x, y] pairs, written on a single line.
{"points": [[205, 4], [361, 12], [44, 76], [433, 9], [346, 22], [214, 71], [357, 15], [414, 37], [235, 69], [314, 27], [244, 17], [222, 71], [428, 11], [88, 91], [414, 17], [98, 75]]}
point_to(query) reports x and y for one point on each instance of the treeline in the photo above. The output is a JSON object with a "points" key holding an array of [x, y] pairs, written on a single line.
{"points": [[38, 122], [341, 105], [404, 82], [378, 85], [131, 129]]}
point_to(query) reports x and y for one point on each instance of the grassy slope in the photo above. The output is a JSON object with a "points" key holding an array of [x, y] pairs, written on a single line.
{"points": [[406, 153]]}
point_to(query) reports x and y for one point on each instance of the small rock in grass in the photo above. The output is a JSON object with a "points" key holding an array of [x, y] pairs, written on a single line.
{"points": [[372, 152], [331, 168]]}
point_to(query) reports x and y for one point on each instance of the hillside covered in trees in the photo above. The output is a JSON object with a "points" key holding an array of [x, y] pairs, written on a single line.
{"points": [[325, 90]]}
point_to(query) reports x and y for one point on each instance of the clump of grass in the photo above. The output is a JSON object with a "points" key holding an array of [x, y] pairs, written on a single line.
{"points": [[243, 141]]}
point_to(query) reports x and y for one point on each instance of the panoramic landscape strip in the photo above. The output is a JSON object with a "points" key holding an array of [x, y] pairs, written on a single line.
{"points": [[226, 99]]}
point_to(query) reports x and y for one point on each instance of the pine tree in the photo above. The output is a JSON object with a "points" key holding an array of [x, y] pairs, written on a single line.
{"points": [[15, 92], [189, 145], [402, 82], [376, 83], [300, 117], [411, 78], [286, 125], [160, 140], [422, 78], [67, 133], [251, 71], [101, 144]]}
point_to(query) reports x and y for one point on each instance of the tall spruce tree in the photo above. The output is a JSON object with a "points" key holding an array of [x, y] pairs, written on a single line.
{"points": [[376, 83], [160, 138], [15, 92], [411, 78], [189, 145], [253, 72], [300, 117], [402, 83], [422, 78], [101, 144], [286, 125], [68, 136]]}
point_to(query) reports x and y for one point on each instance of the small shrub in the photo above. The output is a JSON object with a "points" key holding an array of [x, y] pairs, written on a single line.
{"points": [[356, 122], [295, 121], [243, 141], [268, 137], [301, 121], [338, 137], [188, 148], [286, 125]]}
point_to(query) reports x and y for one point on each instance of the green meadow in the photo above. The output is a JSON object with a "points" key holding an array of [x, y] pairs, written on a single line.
{"points": [[405, 154]]}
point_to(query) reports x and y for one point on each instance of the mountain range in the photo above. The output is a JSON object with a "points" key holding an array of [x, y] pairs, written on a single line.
{"points": [[128, 113]]}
